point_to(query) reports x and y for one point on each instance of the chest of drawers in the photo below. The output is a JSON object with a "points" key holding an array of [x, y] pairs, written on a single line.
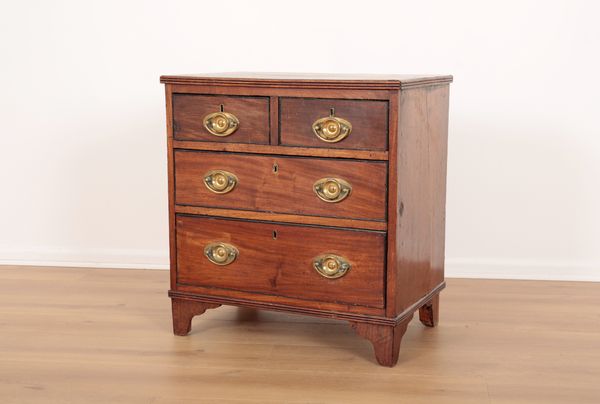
{"points": [[318, 195]]}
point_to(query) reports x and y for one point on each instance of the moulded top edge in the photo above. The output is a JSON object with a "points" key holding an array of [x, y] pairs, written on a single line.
{"points": [[309, 80]]}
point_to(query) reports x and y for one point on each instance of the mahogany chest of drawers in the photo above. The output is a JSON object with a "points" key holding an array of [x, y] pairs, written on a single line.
{"points": [[319, 195]]}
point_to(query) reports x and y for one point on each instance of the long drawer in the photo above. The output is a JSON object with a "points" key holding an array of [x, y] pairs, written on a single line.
{"points": [[316, 263], [295, 185]]}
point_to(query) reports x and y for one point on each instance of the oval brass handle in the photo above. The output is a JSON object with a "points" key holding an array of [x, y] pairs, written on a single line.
{"points": [[220, 181], [332, 189], [332, 129], [331, 266], [221, 253], [221, 123]]}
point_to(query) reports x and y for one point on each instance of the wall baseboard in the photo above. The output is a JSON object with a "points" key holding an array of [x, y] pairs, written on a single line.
{"points": [[522, 269], [88, 258], [158, 259]]}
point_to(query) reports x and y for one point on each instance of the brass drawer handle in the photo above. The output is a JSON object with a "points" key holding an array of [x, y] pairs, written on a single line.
{"points": [[221, 253], [331, 129], [332, 189], [220, 181], [221, 123], [331, 266]]}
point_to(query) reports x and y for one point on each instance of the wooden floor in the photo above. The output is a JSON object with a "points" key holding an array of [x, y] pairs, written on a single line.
{"points": [[104, 336]]}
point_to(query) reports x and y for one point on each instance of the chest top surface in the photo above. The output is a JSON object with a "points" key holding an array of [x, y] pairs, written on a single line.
{"points": [[377, 81]]}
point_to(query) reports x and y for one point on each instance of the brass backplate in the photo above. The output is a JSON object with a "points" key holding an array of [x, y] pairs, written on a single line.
{"points": [[331, 266], [221, 123], [332, 129], [332, 189], [220, 253], [220, 181]]}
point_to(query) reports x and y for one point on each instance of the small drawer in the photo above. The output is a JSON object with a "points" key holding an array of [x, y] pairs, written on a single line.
{"points": [[234, 119], [333, 123], [341, 266], [295, 185]]}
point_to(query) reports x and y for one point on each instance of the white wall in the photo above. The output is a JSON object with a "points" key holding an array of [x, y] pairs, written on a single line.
{"points": [[82, 147]]}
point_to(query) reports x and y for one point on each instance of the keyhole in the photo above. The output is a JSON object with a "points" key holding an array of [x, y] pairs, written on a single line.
{"points": [[331, 111], [275, 168], [222, 108], [274, 234]]}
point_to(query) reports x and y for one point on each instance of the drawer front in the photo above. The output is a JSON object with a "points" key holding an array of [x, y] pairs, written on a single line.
{"points": [[283, 184], [368, 120], [251, 113], [278, 259]]}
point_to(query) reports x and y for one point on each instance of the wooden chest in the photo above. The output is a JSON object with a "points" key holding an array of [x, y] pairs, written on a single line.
{"points": [[319, 195]]}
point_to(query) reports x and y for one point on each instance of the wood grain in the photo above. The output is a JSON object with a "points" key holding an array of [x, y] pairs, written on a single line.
{"points": [[171, 183], [386, 339], [394, 213], [184, 310], [369, 121], [429, 314], [421, 194], [276, 259], [274, 120], [104, 336], [310, 80], [252, 112], [282, 150], [289, 189], [316, 308], [282, 217], [305, 92]]}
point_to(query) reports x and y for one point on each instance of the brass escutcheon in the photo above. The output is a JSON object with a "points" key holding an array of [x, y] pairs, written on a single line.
{"points": [[331, 266], [332, 129], [221, 123], [332, 189], [221, 253], [220, 181]]}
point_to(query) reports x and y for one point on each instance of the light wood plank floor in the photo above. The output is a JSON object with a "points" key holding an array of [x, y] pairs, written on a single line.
{"points": [[104, 336]]}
